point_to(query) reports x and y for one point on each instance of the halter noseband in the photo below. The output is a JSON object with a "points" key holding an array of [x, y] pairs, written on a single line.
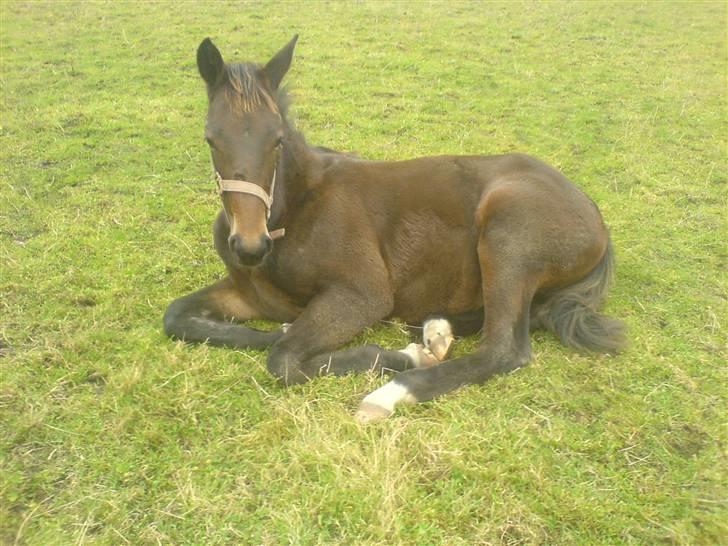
{"points": [[243, 186]]}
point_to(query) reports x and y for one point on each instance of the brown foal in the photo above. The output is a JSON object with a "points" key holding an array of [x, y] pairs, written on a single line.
{"points": [[497, 244]]}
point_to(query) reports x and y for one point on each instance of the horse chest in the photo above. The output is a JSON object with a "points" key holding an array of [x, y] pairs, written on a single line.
{"points": [[293, 270]]}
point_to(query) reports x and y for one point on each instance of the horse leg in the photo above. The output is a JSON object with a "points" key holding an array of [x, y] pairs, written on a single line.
{"points": [[330, 320], [205, 316], [509, 281]]}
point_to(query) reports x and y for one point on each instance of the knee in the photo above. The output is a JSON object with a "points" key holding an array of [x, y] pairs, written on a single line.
{"points": [[285, 367], [170, 317], [174, 316]]}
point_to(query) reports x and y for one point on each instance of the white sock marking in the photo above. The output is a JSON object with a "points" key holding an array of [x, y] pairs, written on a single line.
{"points": [[414, 352], [389, 395], [435, 327]]}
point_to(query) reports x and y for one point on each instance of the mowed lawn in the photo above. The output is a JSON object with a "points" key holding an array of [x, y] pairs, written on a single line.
{"points": [[111, 433]]}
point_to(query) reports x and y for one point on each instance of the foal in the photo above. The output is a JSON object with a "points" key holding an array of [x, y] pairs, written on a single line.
{"points": [[332, 244]]}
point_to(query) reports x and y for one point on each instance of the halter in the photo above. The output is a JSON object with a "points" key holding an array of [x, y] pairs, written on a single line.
{"points": [[243, 186]]}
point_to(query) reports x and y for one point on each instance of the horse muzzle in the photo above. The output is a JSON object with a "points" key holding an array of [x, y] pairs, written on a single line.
{"points": [[250, 252]]}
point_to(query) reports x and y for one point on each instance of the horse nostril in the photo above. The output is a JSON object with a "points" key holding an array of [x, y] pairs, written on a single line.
{"points": [[267, 243], [235, 244]]}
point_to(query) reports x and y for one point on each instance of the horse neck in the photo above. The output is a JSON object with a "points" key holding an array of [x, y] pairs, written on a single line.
{"points": [[296, 164]]}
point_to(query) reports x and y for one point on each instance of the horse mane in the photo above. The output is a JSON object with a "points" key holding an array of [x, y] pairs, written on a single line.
{"points": [[246, 90]]}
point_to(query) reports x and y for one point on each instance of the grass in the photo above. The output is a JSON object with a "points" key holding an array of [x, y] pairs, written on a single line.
{"points": [[112, 434]]}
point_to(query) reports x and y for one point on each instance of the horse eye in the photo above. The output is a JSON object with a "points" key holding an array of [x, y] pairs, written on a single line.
{"points": [[209, 141], [279, 142]]}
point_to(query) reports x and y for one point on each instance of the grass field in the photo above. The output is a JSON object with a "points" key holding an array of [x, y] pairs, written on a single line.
{"points": [[111, 433]]}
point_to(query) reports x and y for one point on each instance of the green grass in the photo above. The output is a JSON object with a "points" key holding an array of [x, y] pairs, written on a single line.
{"points": [[112, 434]]}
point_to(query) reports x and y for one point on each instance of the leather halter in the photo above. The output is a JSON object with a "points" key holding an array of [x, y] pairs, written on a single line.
{"points": [[243, 186]]}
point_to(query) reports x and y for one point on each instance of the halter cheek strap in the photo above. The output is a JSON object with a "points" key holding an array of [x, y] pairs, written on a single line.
{"points": [[243, 186]]}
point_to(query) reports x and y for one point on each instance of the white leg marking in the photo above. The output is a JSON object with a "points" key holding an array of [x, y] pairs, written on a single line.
{"points": [[438, 337], [419, 355], [380, 403], [436, 327]]}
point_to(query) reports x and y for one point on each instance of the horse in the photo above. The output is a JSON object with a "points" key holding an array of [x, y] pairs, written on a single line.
{"points": [[328, 243]]}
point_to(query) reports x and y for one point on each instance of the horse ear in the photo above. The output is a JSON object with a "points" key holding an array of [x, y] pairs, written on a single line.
{"points": [[209, 62], [277, 67]]}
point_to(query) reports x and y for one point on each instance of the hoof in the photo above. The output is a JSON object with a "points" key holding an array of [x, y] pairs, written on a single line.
{"points": [[438, 337], [370, 413], [285, 327], [380, 404], [440, 347]]}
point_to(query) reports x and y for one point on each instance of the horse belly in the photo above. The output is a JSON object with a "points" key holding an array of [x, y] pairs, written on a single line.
{"points": [[434, 269]]}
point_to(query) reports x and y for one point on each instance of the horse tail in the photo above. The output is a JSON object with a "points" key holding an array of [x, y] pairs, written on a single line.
{"points": [[572, 312]]}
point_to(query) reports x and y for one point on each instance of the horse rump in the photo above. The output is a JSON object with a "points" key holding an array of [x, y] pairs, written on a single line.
{"points": [[572, 312]]}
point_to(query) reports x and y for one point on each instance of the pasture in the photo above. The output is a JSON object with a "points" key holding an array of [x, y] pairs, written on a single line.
{"points": [[110, 433]]}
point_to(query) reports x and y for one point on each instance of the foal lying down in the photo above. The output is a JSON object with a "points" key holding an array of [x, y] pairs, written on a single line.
{"points": [[331, 244]]}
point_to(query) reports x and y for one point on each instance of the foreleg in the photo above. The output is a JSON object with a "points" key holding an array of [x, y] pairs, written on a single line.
{"points": [[207, 315], [331, 319]]}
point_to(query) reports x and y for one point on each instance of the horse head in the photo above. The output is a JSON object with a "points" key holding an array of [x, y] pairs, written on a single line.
{"points": [[245, 130]]}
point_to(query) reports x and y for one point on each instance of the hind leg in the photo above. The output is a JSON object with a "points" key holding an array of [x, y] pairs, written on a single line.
{"points": [[510, 280], [530, 239], [505, 347], [205, 316]]}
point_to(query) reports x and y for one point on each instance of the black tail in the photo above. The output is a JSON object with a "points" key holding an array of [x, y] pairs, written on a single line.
{"points": [[571, 312]]}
